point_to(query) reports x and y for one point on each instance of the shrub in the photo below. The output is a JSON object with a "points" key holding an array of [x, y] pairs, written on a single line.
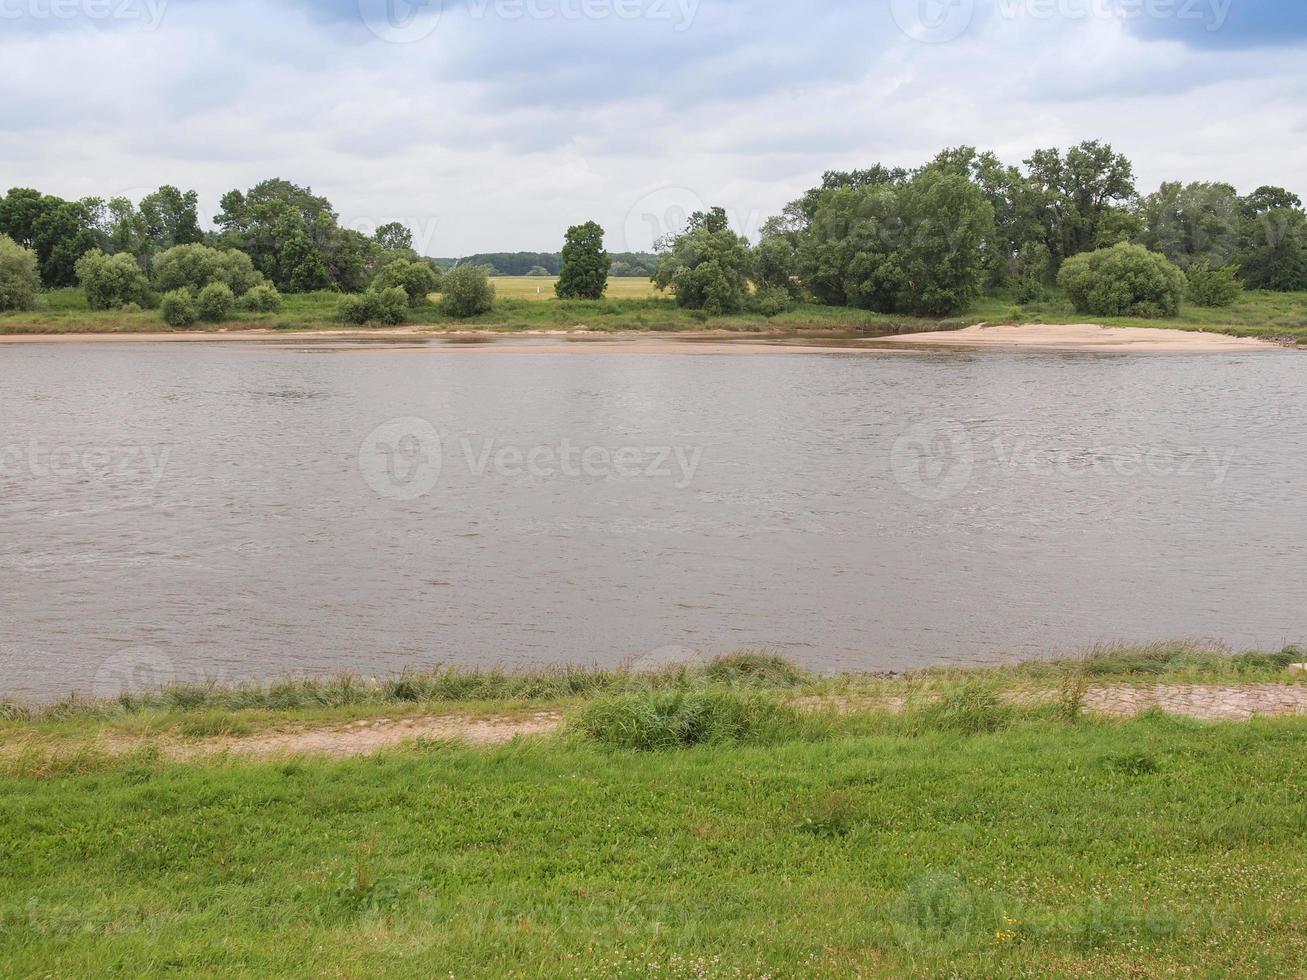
{"points": [[1124, 280], [466, 291], [585, 263], [765, 669], [263, 298], [388, 306], [20, 281], [216, 302], [111, 281], [178, 308], [196, 266], [1213, 287], [707, 268], [770, 301], [651, 721], [418, 280]]}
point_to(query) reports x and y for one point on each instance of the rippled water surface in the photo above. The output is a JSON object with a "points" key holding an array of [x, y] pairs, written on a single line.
{"points": [[177, 511]]}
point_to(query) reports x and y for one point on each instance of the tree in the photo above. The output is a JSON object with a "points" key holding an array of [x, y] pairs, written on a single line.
{"points": [[775, 258], [585, 263], [706, 266], [1267, 198], [1213, 286], [193, 267], [20, 281], [1193, 224], [171, 218], [1075, 194], [466, 291], [111, 281], [394, 237], [418, 280], [1274, 255], [939, 266], [1124, 280]]}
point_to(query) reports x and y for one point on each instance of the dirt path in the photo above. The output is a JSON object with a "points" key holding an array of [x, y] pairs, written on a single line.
{"points": [[1203, 702]]}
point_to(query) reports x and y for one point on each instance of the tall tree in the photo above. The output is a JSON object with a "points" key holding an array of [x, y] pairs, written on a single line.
{"points": [[585, 263]]}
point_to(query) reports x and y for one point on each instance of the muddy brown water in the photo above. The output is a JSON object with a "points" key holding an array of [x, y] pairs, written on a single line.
{"points": [[173, 512]]}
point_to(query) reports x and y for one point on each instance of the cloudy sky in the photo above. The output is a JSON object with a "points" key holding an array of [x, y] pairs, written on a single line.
{"points": [[493, 124]]}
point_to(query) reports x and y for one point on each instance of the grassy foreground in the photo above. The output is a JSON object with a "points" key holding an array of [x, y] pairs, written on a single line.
{"points": [[633, 306], [756, 831]]}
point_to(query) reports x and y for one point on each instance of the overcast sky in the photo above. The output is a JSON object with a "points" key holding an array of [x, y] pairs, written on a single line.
{"points": [[493, 124]]}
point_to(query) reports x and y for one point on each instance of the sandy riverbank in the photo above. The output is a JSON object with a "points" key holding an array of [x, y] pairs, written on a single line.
{"points": [[1083, 337], [1060, 337]]}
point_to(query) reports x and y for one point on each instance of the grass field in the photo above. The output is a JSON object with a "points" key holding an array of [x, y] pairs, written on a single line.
{"points": [[958, 836], [632, 305]]}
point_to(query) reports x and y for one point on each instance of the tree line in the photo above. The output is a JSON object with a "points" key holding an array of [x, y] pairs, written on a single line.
{"points": [[926, 240]]}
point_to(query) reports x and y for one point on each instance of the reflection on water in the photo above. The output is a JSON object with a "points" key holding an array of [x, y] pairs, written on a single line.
{"points": [[179, 511]]}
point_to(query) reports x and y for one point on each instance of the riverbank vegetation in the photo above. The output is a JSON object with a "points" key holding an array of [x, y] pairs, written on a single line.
{"points": [[937, 244], [736, 818]]}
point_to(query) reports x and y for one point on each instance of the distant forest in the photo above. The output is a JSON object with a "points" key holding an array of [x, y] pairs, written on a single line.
{"points": [[641, 264]]}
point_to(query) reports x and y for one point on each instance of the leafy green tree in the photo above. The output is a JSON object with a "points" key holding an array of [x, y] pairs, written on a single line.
{"points": [[1192, 224], [216, 302], [20, 281], [171, 218], [842, 253], [769, 301], [1124, 280], [707, 266], [466, 291], [1267, 198], [394, 237], [585, 263], [195, 266], [1213, 286], [418, 280], [775, 258], [179, 308], [112, 281], [262, 298], [1075, 194], [388, 305], [1274, 255]]}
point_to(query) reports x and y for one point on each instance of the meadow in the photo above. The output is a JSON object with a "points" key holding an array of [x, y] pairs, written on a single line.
{"points": [[632, 305], [740, 818]]}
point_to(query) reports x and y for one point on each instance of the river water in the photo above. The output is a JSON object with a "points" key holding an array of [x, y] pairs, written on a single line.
{"points": [[231, 511]]}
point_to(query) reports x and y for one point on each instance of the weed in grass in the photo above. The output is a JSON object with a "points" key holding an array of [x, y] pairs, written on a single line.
{"points": [[654, 721], [1071, 690], [831, 817], [766, 669], [1135, 764], [971, 709]]}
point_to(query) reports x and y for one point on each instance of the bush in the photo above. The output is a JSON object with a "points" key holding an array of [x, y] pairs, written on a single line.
{"points": [[20, 281], [1124, 280], [651, 721], [466, 291], [418, 280], [196, 266], [388, 306], [263, 298], [111, 281], [216, 302], [1213, 287], [178, 308], [770, 301]]}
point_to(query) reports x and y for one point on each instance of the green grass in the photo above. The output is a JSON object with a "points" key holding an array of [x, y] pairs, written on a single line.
{"points": [[690, 823]]}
